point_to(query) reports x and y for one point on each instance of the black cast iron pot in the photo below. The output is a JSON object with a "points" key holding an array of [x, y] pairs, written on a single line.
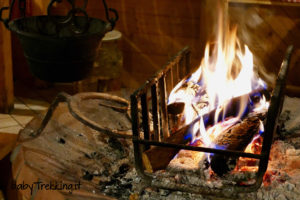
{"points": [[60, 48]]}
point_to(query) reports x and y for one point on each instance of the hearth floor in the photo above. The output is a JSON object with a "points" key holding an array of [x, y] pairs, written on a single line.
{"points": [[24, 110]]}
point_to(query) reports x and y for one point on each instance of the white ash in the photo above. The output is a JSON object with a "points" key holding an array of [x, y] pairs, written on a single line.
{"points": [[290, 116]]}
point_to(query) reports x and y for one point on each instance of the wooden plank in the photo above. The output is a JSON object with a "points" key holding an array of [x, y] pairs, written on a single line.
{"points": [[266, 45], [160, 44], [148, 63], [6, 77], [293, 14], [268, 30], [294, 72], [280, 23], [174, 8], [287, 29], [265, 2], [151, 24]]}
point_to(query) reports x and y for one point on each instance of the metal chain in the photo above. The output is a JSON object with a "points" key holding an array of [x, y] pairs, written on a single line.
{"points": [[71, 17], [110, 19], [22, 7], [10, 8]]}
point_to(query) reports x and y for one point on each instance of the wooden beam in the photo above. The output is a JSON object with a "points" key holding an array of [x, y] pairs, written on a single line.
{"points": [[6, 75], [265, 2]]}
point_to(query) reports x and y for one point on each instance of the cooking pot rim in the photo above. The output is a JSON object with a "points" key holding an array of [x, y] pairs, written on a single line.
{"points": [[12, 25]]}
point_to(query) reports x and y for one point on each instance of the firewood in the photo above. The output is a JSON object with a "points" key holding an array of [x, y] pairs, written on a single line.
{"points": [[236, 138], [231, 108], [157, 158]]}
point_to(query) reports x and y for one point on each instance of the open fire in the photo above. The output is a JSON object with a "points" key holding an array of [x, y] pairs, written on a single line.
{"points": [[223, 92], [209, 131]]}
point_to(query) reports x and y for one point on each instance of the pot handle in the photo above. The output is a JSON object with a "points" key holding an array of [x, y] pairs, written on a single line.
{"points": [[111, 20], [22, 5], [5, 21]]}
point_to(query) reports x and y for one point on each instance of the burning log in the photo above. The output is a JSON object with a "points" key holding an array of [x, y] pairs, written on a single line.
{"points": [[234, 105], [185, 93], [159, 157], [236, 138]]}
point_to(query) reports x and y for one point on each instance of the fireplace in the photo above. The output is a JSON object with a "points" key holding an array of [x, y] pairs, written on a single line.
{"points": [[65, 145], [73, 143], [150, 103]]}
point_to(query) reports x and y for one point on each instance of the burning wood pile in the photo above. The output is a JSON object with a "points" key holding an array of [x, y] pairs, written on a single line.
{"points": [[217, 106], [213, 133], [281, 180]]}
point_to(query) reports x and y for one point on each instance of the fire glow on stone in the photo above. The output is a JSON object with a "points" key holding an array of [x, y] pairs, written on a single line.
{"points": [[225, 72]]}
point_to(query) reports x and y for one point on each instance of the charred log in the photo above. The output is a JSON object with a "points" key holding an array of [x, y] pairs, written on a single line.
{"points": [[187, 161], [236, 138], [159, 157]]}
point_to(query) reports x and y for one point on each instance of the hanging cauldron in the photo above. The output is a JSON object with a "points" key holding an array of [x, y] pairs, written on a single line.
{"points": [[60, 48]]}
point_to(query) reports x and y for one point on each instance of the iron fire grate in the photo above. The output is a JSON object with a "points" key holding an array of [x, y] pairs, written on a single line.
{"points": [[154, 93]]}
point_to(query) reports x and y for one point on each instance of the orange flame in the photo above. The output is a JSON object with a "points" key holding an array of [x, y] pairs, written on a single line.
{"points": [[225, 72]]}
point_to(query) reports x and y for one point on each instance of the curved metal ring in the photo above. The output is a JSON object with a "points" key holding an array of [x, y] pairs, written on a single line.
{"points": [[115, 19], [75, 112], [66, 19], [5, 21], [111, 20], [72, 102]]}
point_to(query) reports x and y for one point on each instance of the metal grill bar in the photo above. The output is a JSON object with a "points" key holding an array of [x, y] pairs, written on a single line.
{"points": [[202, 149], [145, 118], [163, 104], [155, 112], [275, 110]]}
